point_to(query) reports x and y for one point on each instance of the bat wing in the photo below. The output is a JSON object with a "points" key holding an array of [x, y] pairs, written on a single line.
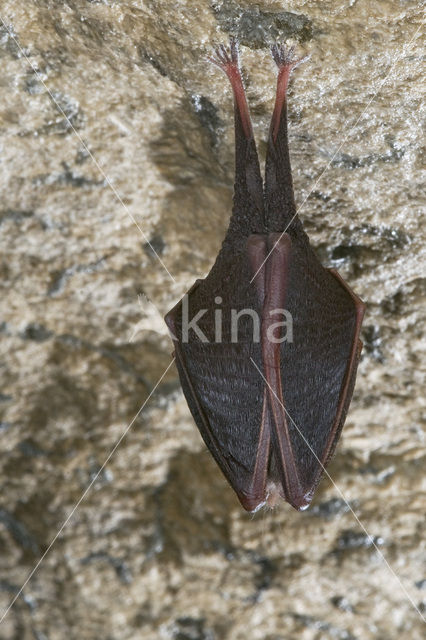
{"points": [[222, 389], [317, 370], [228, 406], [270, 412]]}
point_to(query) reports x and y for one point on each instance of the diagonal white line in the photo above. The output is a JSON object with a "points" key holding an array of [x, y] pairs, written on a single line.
{"points": [[117, 195], [161, 316], [371, 539], [101, 171], [341, 145], [74, 509]]}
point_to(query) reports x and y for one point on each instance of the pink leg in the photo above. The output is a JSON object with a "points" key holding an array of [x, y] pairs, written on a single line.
{"points": [[286, 63], [228, 62]]}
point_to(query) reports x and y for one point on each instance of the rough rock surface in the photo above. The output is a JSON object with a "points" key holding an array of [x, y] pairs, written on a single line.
{"points": [[114, 134]]}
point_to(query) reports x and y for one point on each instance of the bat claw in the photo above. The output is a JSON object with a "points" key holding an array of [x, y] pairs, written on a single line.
{"points": [[284, 57], [285, 61], [226, 58]]}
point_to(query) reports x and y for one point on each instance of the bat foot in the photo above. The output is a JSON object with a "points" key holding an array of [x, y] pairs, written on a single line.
{"points": [[285, 61], [226, 58], [284, 57]]}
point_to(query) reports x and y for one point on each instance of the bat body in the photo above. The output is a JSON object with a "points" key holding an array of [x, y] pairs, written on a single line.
{"points": [[267, 345]]}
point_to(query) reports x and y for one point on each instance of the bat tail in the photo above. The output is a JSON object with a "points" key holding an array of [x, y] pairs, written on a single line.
{"points": [[248, 210], [279, 196]]}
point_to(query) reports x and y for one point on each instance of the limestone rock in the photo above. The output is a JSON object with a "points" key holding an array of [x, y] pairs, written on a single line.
{"points": [[116, 178]]}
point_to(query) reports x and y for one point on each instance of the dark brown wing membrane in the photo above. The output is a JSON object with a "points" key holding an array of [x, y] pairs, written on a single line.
{"points": [[318, 368], [218, 379], [284, 436]]}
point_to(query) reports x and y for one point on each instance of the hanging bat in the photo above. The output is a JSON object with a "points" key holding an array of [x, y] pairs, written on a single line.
{"points": [[267, 345]]}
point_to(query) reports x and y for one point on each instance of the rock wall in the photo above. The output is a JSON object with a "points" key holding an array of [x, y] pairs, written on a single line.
{"points": [[116, 173]]}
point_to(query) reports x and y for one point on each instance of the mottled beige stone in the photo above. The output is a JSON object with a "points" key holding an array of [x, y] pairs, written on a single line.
{"points": [[114, 131]]}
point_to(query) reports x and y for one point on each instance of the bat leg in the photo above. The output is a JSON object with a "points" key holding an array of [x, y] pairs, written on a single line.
{"points": [[248, 188], [281, 208], [285, 62], [229, 63]]}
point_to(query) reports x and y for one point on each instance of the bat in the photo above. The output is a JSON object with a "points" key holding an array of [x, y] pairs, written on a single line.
{"points": [[267, 345]]}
